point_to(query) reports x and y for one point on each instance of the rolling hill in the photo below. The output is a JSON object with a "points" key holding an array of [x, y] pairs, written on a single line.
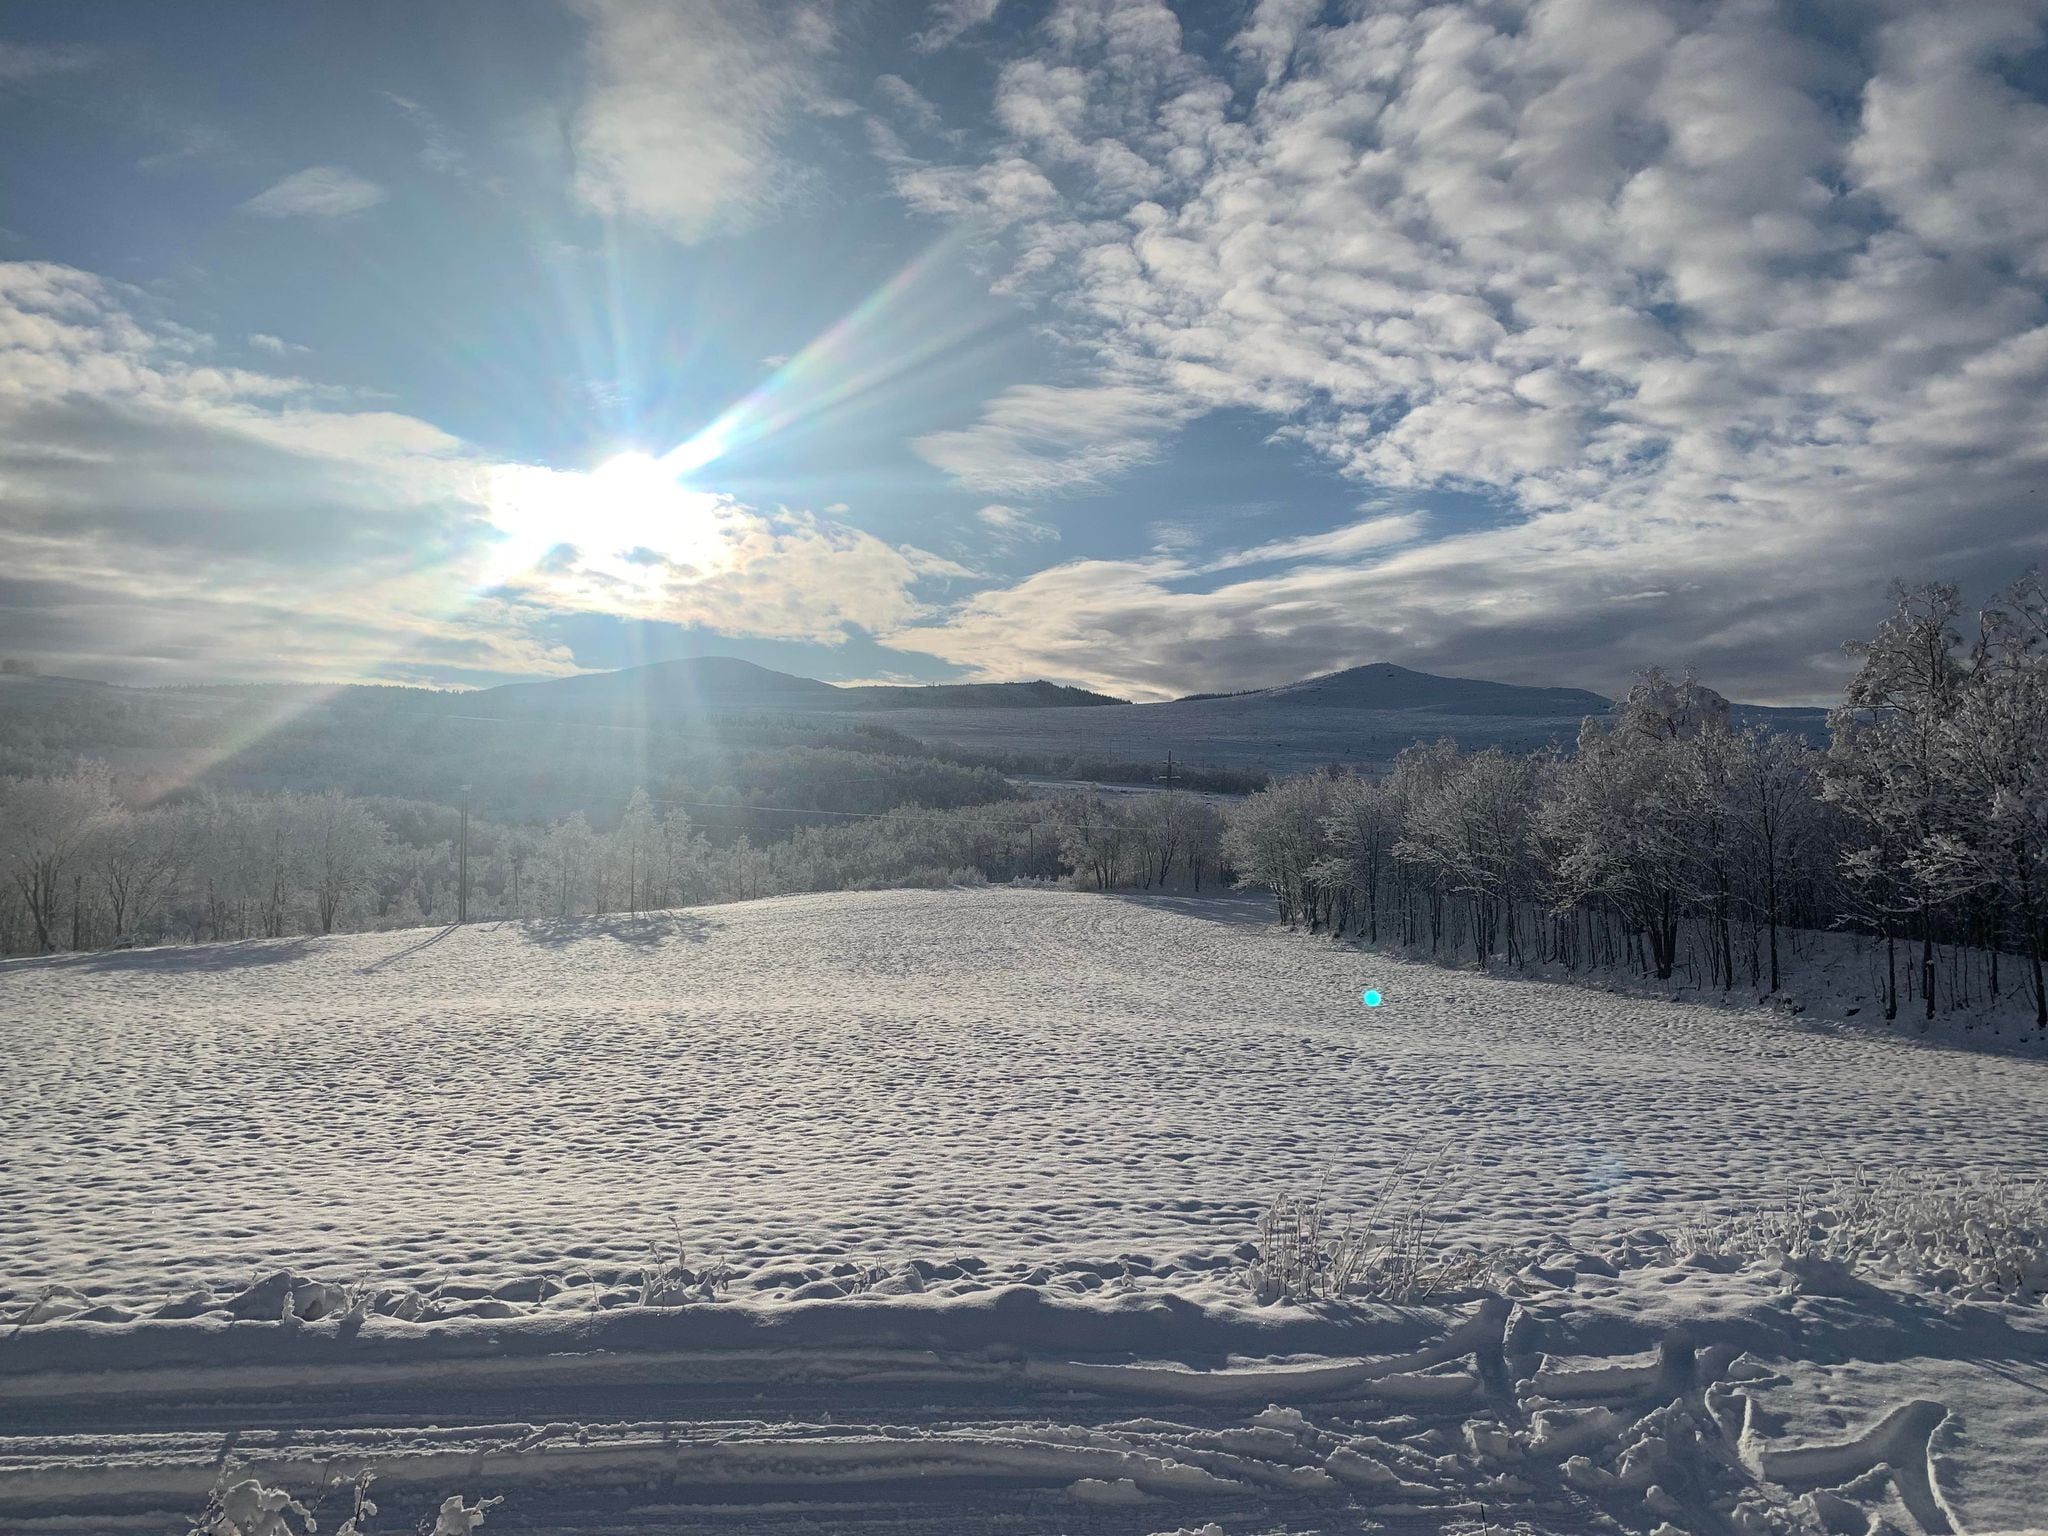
{"points": [[1362, 715], [725, 682]]}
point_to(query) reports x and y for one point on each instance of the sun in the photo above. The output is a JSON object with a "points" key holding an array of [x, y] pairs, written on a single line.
{"points": [[631, 520]]}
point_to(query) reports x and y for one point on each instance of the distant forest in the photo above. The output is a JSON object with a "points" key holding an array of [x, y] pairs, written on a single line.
{"points": [[141, 816]]}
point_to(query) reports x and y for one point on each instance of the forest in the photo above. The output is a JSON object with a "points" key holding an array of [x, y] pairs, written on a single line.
{"points": [[1664, 840], [1669, 839]]}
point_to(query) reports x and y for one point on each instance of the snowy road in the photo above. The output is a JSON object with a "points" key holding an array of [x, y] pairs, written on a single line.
{"points": [[981, 1163]]}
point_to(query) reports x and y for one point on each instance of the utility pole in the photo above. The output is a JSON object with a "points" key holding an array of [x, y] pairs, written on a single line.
{"points": [[462, 865], [1168, 780]]}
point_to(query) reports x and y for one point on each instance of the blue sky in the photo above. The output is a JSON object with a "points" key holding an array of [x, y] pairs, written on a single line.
{"points": [[1154, 348]]}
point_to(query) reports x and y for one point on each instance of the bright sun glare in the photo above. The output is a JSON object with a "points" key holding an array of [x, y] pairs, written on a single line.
{"points": [[628, 520]]}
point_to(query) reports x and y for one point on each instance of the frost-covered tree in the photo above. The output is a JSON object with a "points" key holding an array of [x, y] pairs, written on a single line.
{"points": [[1471, 827], [342, 851], [46, 826], [1885, 766], [1617, 818], [1419, 776], [1094, 839], [138, 859], [569, 855], [680, 858], [1772, 816], [1359, 832], [634, 848], [1276, 840], [1993, 757]]}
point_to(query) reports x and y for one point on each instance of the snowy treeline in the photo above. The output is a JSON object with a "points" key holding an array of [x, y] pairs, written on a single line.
{"points": [[1669, 839], [82, 869]]}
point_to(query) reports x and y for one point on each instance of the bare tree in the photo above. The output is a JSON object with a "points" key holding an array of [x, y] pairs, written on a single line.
{"points": [[1885, 765], [46, 826]]}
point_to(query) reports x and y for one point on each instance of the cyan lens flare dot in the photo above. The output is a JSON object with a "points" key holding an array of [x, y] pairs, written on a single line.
{"points": [[1371, 998]]}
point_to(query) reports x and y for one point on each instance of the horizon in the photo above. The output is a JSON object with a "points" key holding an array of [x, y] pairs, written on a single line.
{"points": [[1141, 348], [1198, 695]]}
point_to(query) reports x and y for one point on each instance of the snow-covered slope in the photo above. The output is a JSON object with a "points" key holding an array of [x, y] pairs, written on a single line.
{"points": [[983, 1166]]}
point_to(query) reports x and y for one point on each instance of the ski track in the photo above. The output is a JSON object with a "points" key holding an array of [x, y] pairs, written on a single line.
{"points": [[1080, 1100]]}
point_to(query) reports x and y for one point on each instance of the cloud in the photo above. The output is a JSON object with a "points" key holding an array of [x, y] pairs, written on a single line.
{"points": [[1013, 526], [168, 517], [911, 104], [28, 61], [953, 19], [318, 192], [1338, 544], [195, 141], [1041, 439], [276, 346], [646, 546], [686, 107], [439, 150], [1696, 301]]}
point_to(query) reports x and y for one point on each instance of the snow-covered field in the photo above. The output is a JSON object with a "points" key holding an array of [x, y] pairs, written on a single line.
{"points": [[983, 1167]]}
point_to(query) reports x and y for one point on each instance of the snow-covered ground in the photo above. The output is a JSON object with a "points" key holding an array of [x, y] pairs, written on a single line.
{"points": [[982, 1166]]}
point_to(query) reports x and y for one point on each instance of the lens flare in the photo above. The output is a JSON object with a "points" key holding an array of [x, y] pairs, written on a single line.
{"points": [[883, 338]]}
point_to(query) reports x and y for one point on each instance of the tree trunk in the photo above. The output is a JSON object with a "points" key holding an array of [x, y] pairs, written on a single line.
{"points": [[1891, 975], [1927, 959]]}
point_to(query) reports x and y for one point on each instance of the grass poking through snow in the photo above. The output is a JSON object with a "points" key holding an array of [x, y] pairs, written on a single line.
{"points": [[1982, 1238], [1307, 1253]]}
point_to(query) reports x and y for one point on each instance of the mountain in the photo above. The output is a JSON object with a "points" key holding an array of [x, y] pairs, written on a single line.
{"points": [[666, 688], [1382, 685], [1033, 695], [702, 683], [1362, 715]]}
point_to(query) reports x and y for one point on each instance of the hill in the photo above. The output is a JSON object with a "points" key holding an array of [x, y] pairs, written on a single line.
{"points": [[703, 684], [1362, 715], [1385, 686], [717, 721]]}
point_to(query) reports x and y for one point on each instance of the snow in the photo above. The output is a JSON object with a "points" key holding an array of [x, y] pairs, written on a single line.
{"points": [[982, 1166]]}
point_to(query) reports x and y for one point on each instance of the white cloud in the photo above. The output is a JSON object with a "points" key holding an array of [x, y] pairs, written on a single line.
{"points": [[953, 19], [1701, 304], [682, 123], [1039, 439], [996, 195], [909, 103], [1339, 544], [318, 192], [1013, 526], [276, 346]]}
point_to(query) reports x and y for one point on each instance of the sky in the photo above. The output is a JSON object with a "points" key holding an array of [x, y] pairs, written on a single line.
{"points": [[1153, 348]]}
